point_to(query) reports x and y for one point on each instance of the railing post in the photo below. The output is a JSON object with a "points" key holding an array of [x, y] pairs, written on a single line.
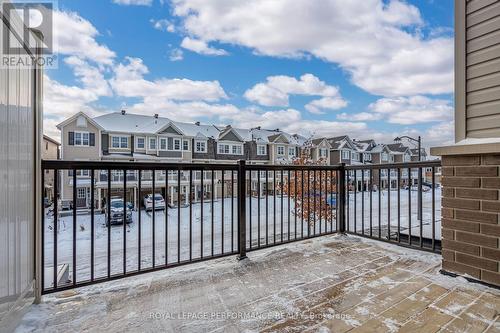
{"points": [[341, 198], [242, 236]]}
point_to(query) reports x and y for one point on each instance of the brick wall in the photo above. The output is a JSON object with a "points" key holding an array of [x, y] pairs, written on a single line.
{"points": [[470, 216]]}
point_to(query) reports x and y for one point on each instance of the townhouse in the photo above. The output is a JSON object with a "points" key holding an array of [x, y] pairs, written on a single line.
{"points": [[130, 137], [123, 136]]}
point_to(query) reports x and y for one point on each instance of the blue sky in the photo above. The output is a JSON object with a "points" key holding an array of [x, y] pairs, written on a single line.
{"points": [[371, 68]]}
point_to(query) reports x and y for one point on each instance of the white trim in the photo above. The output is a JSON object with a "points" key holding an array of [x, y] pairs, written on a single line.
{"points": [[137, 142], [195, 148], [278, 150], [120, 143], [81, 138], [152, 138], [265, 150], [230, 148]]}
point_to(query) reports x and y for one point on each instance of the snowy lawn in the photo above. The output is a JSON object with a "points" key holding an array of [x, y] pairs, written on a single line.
{"points": [[193, 242]]}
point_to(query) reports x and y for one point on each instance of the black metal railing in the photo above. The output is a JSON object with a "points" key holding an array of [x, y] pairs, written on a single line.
{"points": [[396, 202], [129, 218]]}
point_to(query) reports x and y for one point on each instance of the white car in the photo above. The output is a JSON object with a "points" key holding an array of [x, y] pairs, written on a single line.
{"points": [[159, 202]]}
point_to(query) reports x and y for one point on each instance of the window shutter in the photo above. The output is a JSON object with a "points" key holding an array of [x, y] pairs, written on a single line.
{"points": [[92, 139], [71, 138]]}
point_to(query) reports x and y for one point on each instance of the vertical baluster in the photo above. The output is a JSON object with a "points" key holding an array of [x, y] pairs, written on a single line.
{"points": [[139, 220], [274, 206], [288, 194], [320, 199], [191, 217], [380, 203], [124, 222], [250, 207], [295, 202], [399, 205], [201, 212], [267, 207], [409, 206], [92, 227], [56, 216], [179, 215], [433, 209], [108, 211], [212, 212], [153, 213], [223, 172], [362, 202], [281, 211], [371, 202], [166, 216], [389, 204], [232, 210], [355, 200], [420, 204], [258, 208], [74, 225]]}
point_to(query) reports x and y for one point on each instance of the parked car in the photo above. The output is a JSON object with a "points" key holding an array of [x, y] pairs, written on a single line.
{"points": [[116, 213], [159, 202]]}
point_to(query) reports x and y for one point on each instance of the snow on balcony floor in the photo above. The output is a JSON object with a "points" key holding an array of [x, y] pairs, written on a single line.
{"points": [[333, 283]]}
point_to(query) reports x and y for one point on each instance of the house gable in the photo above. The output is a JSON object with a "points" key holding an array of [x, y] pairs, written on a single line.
{"points": [[170, 129], [230, 136]]}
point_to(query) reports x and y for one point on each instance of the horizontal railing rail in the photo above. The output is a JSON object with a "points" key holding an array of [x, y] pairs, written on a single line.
{"points": [[124, 218]]}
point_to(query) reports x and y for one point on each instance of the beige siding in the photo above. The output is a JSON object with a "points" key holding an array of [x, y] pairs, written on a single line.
{"points": [[478, 84]]}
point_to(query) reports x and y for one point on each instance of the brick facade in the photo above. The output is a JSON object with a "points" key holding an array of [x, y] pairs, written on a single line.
{"points": [[470, 216]]}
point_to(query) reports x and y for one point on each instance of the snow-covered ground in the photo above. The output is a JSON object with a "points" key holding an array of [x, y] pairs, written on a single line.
{"points": [[190, 232], [355, 220]]}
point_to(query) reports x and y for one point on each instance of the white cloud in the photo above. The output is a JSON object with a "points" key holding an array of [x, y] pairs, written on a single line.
{"points": [[277, 89], [133, 2], [90, 76], [325, 103], [163, 25], [291, 121], [176, 55], [201, 47], [75, 35], [413, 110], [375, 41], [362, 116], [129, 82]]}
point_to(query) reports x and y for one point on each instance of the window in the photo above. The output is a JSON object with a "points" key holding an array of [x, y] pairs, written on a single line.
{"points": [[237, 150], [385, 156], [185, 145], [82, 139], [355, 156], [152, 143], [201, 146], [141, 143], [177, 144], [291, 151], [346, 154], [367, 156], [281, 150], [119, 142], [323, 152], [223, 148], [81, 193], [163, 144], [392, 158], [407, 158], [261, 150]]}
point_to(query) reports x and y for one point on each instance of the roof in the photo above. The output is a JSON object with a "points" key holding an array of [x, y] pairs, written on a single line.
{"points": [[48, 138], [379, 148], [397, 148]]}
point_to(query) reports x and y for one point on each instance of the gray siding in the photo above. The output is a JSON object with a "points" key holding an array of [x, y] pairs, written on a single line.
{"points": [[251, 148], [166, 153], [478, 68], [105, 143]]}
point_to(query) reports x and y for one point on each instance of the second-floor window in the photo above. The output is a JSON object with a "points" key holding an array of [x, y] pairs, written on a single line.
{"points": [[200, 146], [152, 143], [291, 151], [177, 144], [223, 149], [237, 150], [163, 144], [367, 156], [346, 154], [261, 150], [141, 144], [323, 152], [119, 142], [185, 145], [355, 156], [385, 157], [281, 150], [82, 139]]}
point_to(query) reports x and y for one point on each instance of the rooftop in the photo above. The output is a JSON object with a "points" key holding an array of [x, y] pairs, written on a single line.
{"points": [[332, 283]]}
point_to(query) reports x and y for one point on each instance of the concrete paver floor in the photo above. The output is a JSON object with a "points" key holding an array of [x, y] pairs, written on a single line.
{"points": [[329, 284]]}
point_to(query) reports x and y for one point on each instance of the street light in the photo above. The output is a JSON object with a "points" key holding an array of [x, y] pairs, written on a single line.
{"points": [[419, 196]]}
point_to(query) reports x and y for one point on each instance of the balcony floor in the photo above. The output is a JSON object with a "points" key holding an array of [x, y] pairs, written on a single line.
{"points": [[334, 283]]}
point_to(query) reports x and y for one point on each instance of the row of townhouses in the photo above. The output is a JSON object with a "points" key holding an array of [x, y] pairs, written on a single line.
{"points": [[122, 136]]}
